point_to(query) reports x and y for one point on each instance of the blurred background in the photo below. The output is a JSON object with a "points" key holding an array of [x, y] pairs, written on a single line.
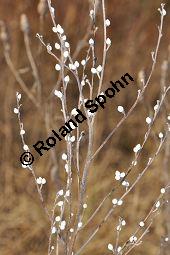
{"points": [[24, 228]]}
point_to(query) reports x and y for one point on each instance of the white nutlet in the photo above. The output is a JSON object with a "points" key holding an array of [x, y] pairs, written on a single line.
{"points": [[76, 63], [43, 181], [93, 70], [117, 176], [91, 41], [83, 62], [80, 224], [22, 132], [54, 230], [58, 93], [123, 222], [158, 204], [57, 46], [25, 147], [120, 202], [54, 29], [99, 68], [114, 201], [62, 225], [120, 109], [72, 139], [67, 79], [66, 54], [18, 96], [148, 120], [60, 30], [107, 22], [16, 111], [110, 247], [108, 41], [137, 148], [119, 249], [74, 112], [57, 67], [57, 218], [67, 45], [60, 203], [60, 192], [64, 156], [141, 224], [161, 135], [162, 190]]}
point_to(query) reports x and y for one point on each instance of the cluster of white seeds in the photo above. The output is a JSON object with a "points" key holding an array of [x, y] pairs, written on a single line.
{"points": [[72, 67], [62, 225], [119, 175], [162, 10], [70, 139], [58, 29], [96, 70], [121, 224], [115, 201], [41, 181], [110, 248]]}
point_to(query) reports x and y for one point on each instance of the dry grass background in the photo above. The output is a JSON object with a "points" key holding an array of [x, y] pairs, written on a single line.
{"points": [[23, 225]]}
